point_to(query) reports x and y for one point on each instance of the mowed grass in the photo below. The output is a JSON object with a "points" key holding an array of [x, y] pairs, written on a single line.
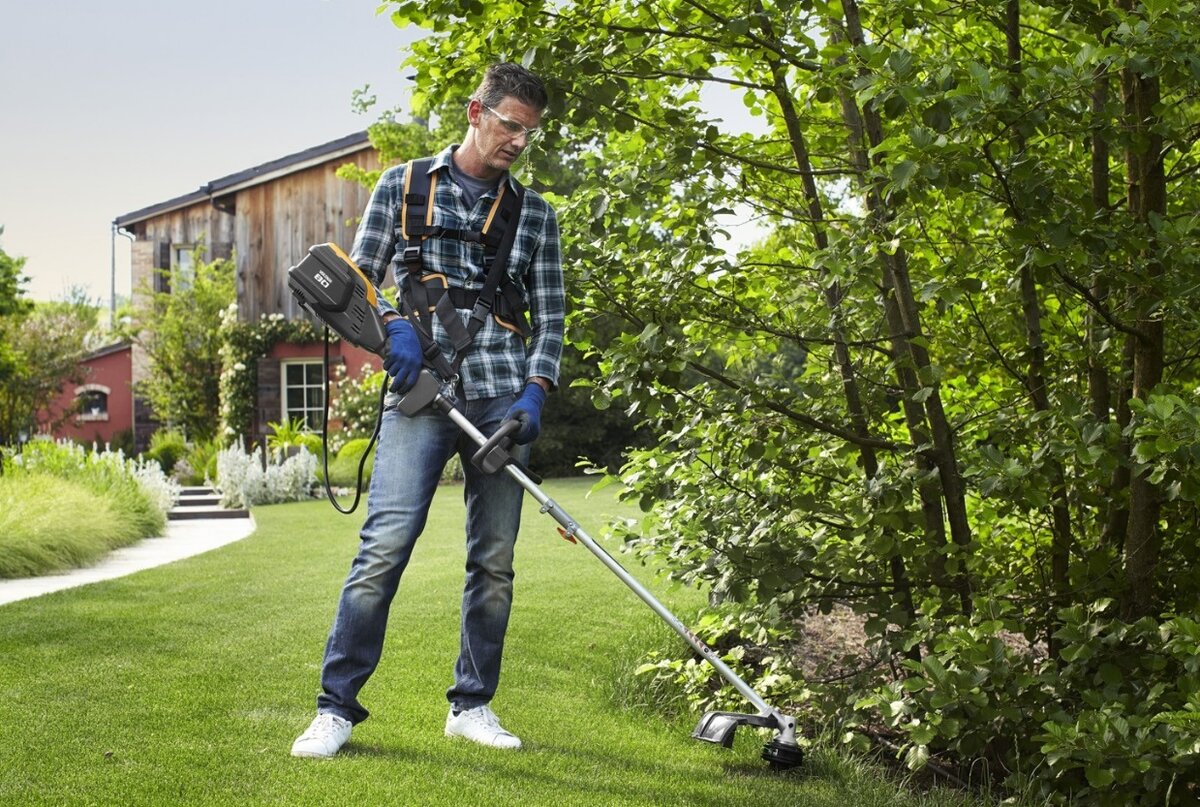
{"points": [[186, 684]]}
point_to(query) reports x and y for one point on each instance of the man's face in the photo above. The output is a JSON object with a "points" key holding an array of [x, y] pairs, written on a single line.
{"points": [[500, 132]]}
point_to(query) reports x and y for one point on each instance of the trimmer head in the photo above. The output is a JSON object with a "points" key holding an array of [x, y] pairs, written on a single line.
{"points": [[782, 756], [781, 752]]}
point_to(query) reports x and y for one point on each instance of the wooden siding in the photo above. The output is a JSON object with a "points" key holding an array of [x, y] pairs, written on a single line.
{"points": [[278, 221], [199, 223]]}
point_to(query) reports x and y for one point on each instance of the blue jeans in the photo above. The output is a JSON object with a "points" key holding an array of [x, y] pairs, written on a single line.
{"points": [[411, 454]]}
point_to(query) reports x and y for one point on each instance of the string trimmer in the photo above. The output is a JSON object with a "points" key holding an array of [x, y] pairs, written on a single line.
{"points": [[329, 286]]}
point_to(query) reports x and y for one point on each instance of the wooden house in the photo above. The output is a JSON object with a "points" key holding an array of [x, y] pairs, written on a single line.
{"points": [[266, 218]]}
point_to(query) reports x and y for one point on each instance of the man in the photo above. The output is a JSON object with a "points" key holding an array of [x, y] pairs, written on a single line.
{"points": [[501, 377]]}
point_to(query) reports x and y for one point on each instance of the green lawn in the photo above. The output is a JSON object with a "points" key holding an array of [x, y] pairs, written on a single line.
{"points": [[187, 684]]}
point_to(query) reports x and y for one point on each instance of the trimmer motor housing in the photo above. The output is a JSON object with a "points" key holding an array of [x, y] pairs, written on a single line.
{"points": [[333, 289]]}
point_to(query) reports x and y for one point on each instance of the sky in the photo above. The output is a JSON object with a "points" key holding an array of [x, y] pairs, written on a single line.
{"points": [[112, 106], [116, 105]]}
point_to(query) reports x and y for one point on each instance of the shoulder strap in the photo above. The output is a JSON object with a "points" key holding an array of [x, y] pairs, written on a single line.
{"points": [[416, 210], [498, 234], [508, 206]]}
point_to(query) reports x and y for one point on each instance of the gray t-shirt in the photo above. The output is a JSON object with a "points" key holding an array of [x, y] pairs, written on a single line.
{"points": [[472, 187]]}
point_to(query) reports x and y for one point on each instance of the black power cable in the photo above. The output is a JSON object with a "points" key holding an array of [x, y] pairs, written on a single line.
{"points": [[325, 438]]}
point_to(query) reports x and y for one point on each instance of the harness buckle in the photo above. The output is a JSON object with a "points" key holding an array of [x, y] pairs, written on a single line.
{"points": [[412, 258]]}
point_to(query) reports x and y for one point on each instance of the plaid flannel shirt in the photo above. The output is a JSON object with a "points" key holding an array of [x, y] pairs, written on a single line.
{"points": [[498, 361]]}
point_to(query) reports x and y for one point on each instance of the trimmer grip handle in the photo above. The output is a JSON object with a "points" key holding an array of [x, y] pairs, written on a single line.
{"points": [[492, 456], [493, 453]]}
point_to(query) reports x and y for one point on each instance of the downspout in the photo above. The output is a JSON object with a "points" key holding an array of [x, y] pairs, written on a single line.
{"points": [[112, 298], [112, 314]]}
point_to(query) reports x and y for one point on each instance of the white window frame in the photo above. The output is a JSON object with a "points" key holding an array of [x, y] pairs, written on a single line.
{"points": [[92, 417], [182, 266], [285, 413]]}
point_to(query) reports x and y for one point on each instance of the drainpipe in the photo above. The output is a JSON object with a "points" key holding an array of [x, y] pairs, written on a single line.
{"points": [[112, 298]]}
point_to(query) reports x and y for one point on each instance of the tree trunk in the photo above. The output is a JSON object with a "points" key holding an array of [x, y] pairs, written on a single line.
{"points": [[941, 450], [1099, 384], [1147, 199], [1035, 381], [854, 405]]}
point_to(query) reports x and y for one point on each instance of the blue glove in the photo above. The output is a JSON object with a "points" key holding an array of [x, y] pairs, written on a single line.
{"points": [[403, 360], [527, 410]]}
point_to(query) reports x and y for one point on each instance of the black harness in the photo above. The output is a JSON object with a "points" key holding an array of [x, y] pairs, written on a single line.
{"points": [[427, 292]]}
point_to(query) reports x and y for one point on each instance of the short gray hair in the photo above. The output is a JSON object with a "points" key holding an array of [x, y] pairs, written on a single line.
{"points": [[505, 80]]}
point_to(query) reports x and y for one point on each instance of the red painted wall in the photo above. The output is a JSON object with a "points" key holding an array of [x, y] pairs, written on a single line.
{"points": [[108, 368], [340, 352]]}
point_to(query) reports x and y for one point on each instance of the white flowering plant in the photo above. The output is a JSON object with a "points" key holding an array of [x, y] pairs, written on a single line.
{"points": [[249, 479], [356, 405]]}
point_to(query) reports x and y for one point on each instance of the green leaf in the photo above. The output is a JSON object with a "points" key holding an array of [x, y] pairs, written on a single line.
{"points": [[1098, 777], [916, 757]]}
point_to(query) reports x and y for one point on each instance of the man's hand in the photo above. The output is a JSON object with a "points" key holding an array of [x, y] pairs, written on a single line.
{"points": [[527, 410], [403, 360]]}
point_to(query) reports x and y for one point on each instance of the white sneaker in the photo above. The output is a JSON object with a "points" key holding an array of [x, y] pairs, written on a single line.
{"points": [[480, 725], [325, 735]]}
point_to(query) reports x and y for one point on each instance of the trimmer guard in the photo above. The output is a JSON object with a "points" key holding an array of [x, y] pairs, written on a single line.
{"points": [[718, 727], [782, 751]]}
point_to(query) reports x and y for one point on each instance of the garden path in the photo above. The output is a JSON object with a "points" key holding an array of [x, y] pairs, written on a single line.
{"points": [[183, 539]]}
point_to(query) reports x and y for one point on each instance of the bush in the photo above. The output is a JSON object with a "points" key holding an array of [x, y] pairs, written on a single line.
{"points": [[201, 461], [49, 524], [63, 506], [1114, 721], [244, 482], [167, 446], [343, 469], [122, 442], [141, 491], [356, 404]]}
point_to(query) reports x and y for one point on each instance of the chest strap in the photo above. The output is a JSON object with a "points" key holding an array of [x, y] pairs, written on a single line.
{"points": [[428, 293]]}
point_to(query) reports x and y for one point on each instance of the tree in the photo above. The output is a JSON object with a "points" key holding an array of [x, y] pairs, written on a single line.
{"points": [[40, 349], [12, 299], [953, 389], [180, 331]]}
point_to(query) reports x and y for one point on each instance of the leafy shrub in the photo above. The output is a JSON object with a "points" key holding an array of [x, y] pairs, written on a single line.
{"points": [[142, 492], [356, 404], [122, 442], [343, 469], [1115, 721], [167, 446], [201, 461], [244, 481], [285, 435]]}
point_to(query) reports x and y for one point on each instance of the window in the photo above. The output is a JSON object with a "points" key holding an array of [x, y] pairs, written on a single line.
{"points": [[93, 401], [182, 263], [304, 392]]}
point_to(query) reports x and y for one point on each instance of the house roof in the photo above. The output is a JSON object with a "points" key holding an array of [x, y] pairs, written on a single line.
{"points": [[232, 183], [107, 350]]}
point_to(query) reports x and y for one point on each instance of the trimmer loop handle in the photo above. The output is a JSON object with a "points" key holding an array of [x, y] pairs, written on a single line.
{"points": [[493, 454]]}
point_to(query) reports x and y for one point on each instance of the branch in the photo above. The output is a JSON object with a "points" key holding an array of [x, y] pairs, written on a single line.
{"points": [[1021, 379], [783, 169], [791, 414], [773, 46], [1096, 304], [698, 78]]}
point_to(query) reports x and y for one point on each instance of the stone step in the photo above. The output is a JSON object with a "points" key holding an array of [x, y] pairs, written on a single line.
{"points": [[196, 500], [197, 490], [206, 511]]}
